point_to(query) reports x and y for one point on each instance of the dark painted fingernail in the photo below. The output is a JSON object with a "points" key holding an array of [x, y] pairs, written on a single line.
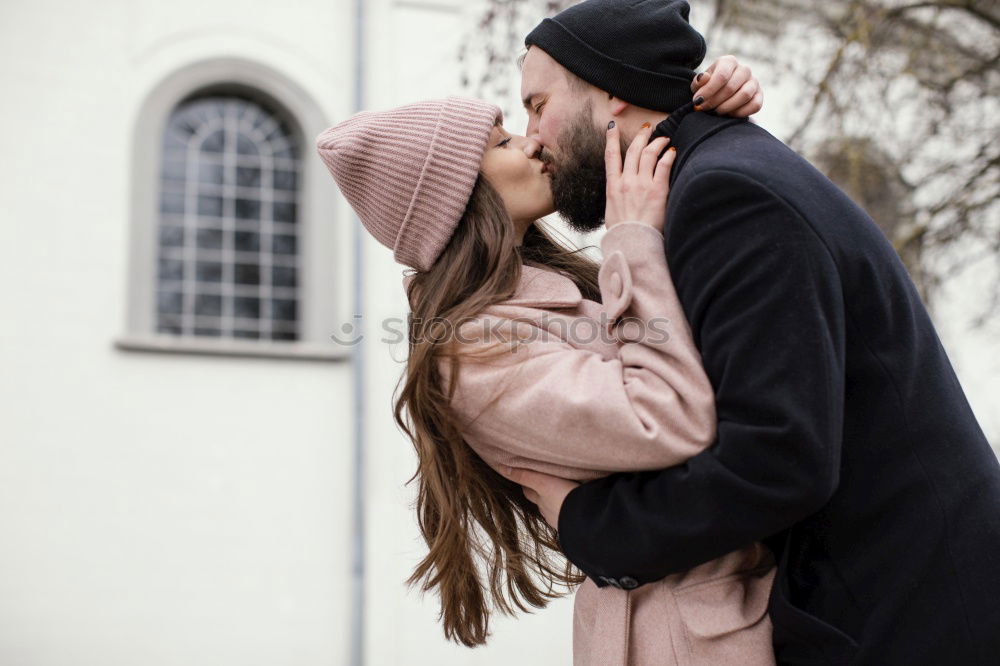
{"points": [[698, 101], [698, 78], [611, 125]]}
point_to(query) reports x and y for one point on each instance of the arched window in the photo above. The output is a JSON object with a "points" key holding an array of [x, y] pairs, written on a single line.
{"points": [[228, 236], [239, 243]]}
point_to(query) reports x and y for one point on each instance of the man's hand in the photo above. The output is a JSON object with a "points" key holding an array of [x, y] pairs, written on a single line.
{"points": [[728, 88], [548, 492]]}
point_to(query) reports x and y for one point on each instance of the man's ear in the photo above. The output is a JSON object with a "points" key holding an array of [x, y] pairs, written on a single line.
{"points": [[617, 106]]}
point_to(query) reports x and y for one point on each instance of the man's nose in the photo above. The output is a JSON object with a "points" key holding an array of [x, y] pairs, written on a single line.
{"points": [[532, 129], [531, 147]]}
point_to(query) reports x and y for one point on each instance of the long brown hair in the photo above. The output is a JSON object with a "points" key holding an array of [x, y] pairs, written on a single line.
{"points": [[489, 547]]}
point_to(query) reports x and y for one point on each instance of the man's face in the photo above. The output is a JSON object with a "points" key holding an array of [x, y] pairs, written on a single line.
{"points": [[561, 119], [550, 99]]}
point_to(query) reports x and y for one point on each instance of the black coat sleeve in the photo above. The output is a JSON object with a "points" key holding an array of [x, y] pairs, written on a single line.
{"points": [[763, 297]]}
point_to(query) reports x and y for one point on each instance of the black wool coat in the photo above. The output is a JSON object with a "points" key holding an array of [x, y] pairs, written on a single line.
{"points": [[845, 442]]}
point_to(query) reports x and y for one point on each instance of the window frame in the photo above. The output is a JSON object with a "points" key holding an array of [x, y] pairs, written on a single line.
{"points": [[321, 239]]}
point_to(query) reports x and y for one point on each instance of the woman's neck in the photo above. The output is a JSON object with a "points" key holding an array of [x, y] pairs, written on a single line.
{"points": [[520, 228]]}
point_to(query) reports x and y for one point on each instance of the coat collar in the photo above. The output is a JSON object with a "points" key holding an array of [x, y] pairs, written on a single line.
{"points": [[539, 287], [687, 128], [544, 287]]}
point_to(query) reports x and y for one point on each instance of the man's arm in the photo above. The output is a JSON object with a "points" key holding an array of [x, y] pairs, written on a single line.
{"points": [[763, 296]]}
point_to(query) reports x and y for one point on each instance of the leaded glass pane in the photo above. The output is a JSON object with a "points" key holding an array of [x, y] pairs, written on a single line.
{"points": [[174, 169], [172, 202], [214, 142], [284, 211], [283, 276], [245, 145], [284, 179], [208, 304], [210, 239], [209, 205], [169, 302], [209, 271], [248, 307], [283, 243], [248, 209], [282, 308], [171, 269], [248, 274], [211, 173], [248, 176], [247, 241], [228, 246], [171, 236]]}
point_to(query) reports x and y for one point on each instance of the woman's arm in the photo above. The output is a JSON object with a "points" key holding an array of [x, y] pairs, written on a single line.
{"points": [[728, 88], [545, 401]]}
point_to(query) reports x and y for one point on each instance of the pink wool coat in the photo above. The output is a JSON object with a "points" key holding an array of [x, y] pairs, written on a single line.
{"points": [[594, 388]]}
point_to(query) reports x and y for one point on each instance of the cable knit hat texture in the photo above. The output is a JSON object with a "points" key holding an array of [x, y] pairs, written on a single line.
{"points": [[642, 51], [409, 172]]}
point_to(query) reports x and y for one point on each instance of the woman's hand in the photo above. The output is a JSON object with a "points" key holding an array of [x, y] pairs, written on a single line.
{"points": [[728, 88], [545, 490], [637, 190]]}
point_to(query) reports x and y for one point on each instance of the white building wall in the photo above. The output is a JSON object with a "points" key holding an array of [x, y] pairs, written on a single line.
{"points": [[154, 509]]}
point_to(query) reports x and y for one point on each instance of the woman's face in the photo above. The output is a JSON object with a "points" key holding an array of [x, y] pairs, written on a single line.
{"points": [[512, 167]]}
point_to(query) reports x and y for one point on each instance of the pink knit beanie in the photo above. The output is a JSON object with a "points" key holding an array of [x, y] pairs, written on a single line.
{"points": [[408, 172]]}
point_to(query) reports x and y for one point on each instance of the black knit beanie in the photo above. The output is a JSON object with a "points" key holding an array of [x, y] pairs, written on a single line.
{"points": [[642, 51]]}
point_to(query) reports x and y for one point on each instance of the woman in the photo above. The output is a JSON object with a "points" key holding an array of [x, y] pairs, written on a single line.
{"points": [[523, 353]]}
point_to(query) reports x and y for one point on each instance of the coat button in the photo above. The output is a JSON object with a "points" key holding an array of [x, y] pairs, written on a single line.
{"points": [[610, 581], [628, 583]]}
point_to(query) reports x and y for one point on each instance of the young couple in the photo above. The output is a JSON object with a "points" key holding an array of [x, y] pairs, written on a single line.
{"points": [[741, 426]]}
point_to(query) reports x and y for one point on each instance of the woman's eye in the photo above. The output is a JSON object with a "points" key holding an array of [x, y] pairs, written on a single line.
{"points": [[504, 142], [538, 109]]}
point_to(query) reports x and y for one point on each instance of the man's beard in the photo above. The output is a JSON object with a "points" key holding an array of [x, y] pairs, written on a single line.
{"points": [[578, 177]]}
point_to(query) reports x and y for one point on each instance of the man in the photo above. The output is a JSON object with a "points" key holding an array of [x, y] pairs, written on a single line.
{"points": [[845, 442]]}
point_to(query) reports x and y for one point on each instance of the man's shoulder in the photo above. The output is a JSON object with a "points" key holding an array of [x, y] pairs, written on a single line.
{"points": [[755, 190], [743, 165], [749, 151]]}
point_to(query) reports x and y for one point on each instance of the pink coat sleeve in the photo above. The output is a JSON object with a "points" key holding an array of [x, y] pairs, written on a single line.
{"points": [[548, 406]]}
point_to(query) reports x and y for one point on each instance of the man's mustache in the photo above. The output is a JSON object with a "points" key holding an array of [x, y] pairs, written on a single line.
{"points": [[546, 157], [549, 160]]}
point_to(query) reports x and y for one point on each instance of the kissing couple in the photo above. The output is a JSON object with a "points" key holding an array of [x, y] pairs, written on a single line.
{"points": [[792, 476]]}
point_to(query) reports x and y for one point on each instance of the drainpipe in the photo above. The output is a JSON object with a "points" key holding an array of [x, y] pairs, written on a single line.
{"points": [[358, 379]]}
